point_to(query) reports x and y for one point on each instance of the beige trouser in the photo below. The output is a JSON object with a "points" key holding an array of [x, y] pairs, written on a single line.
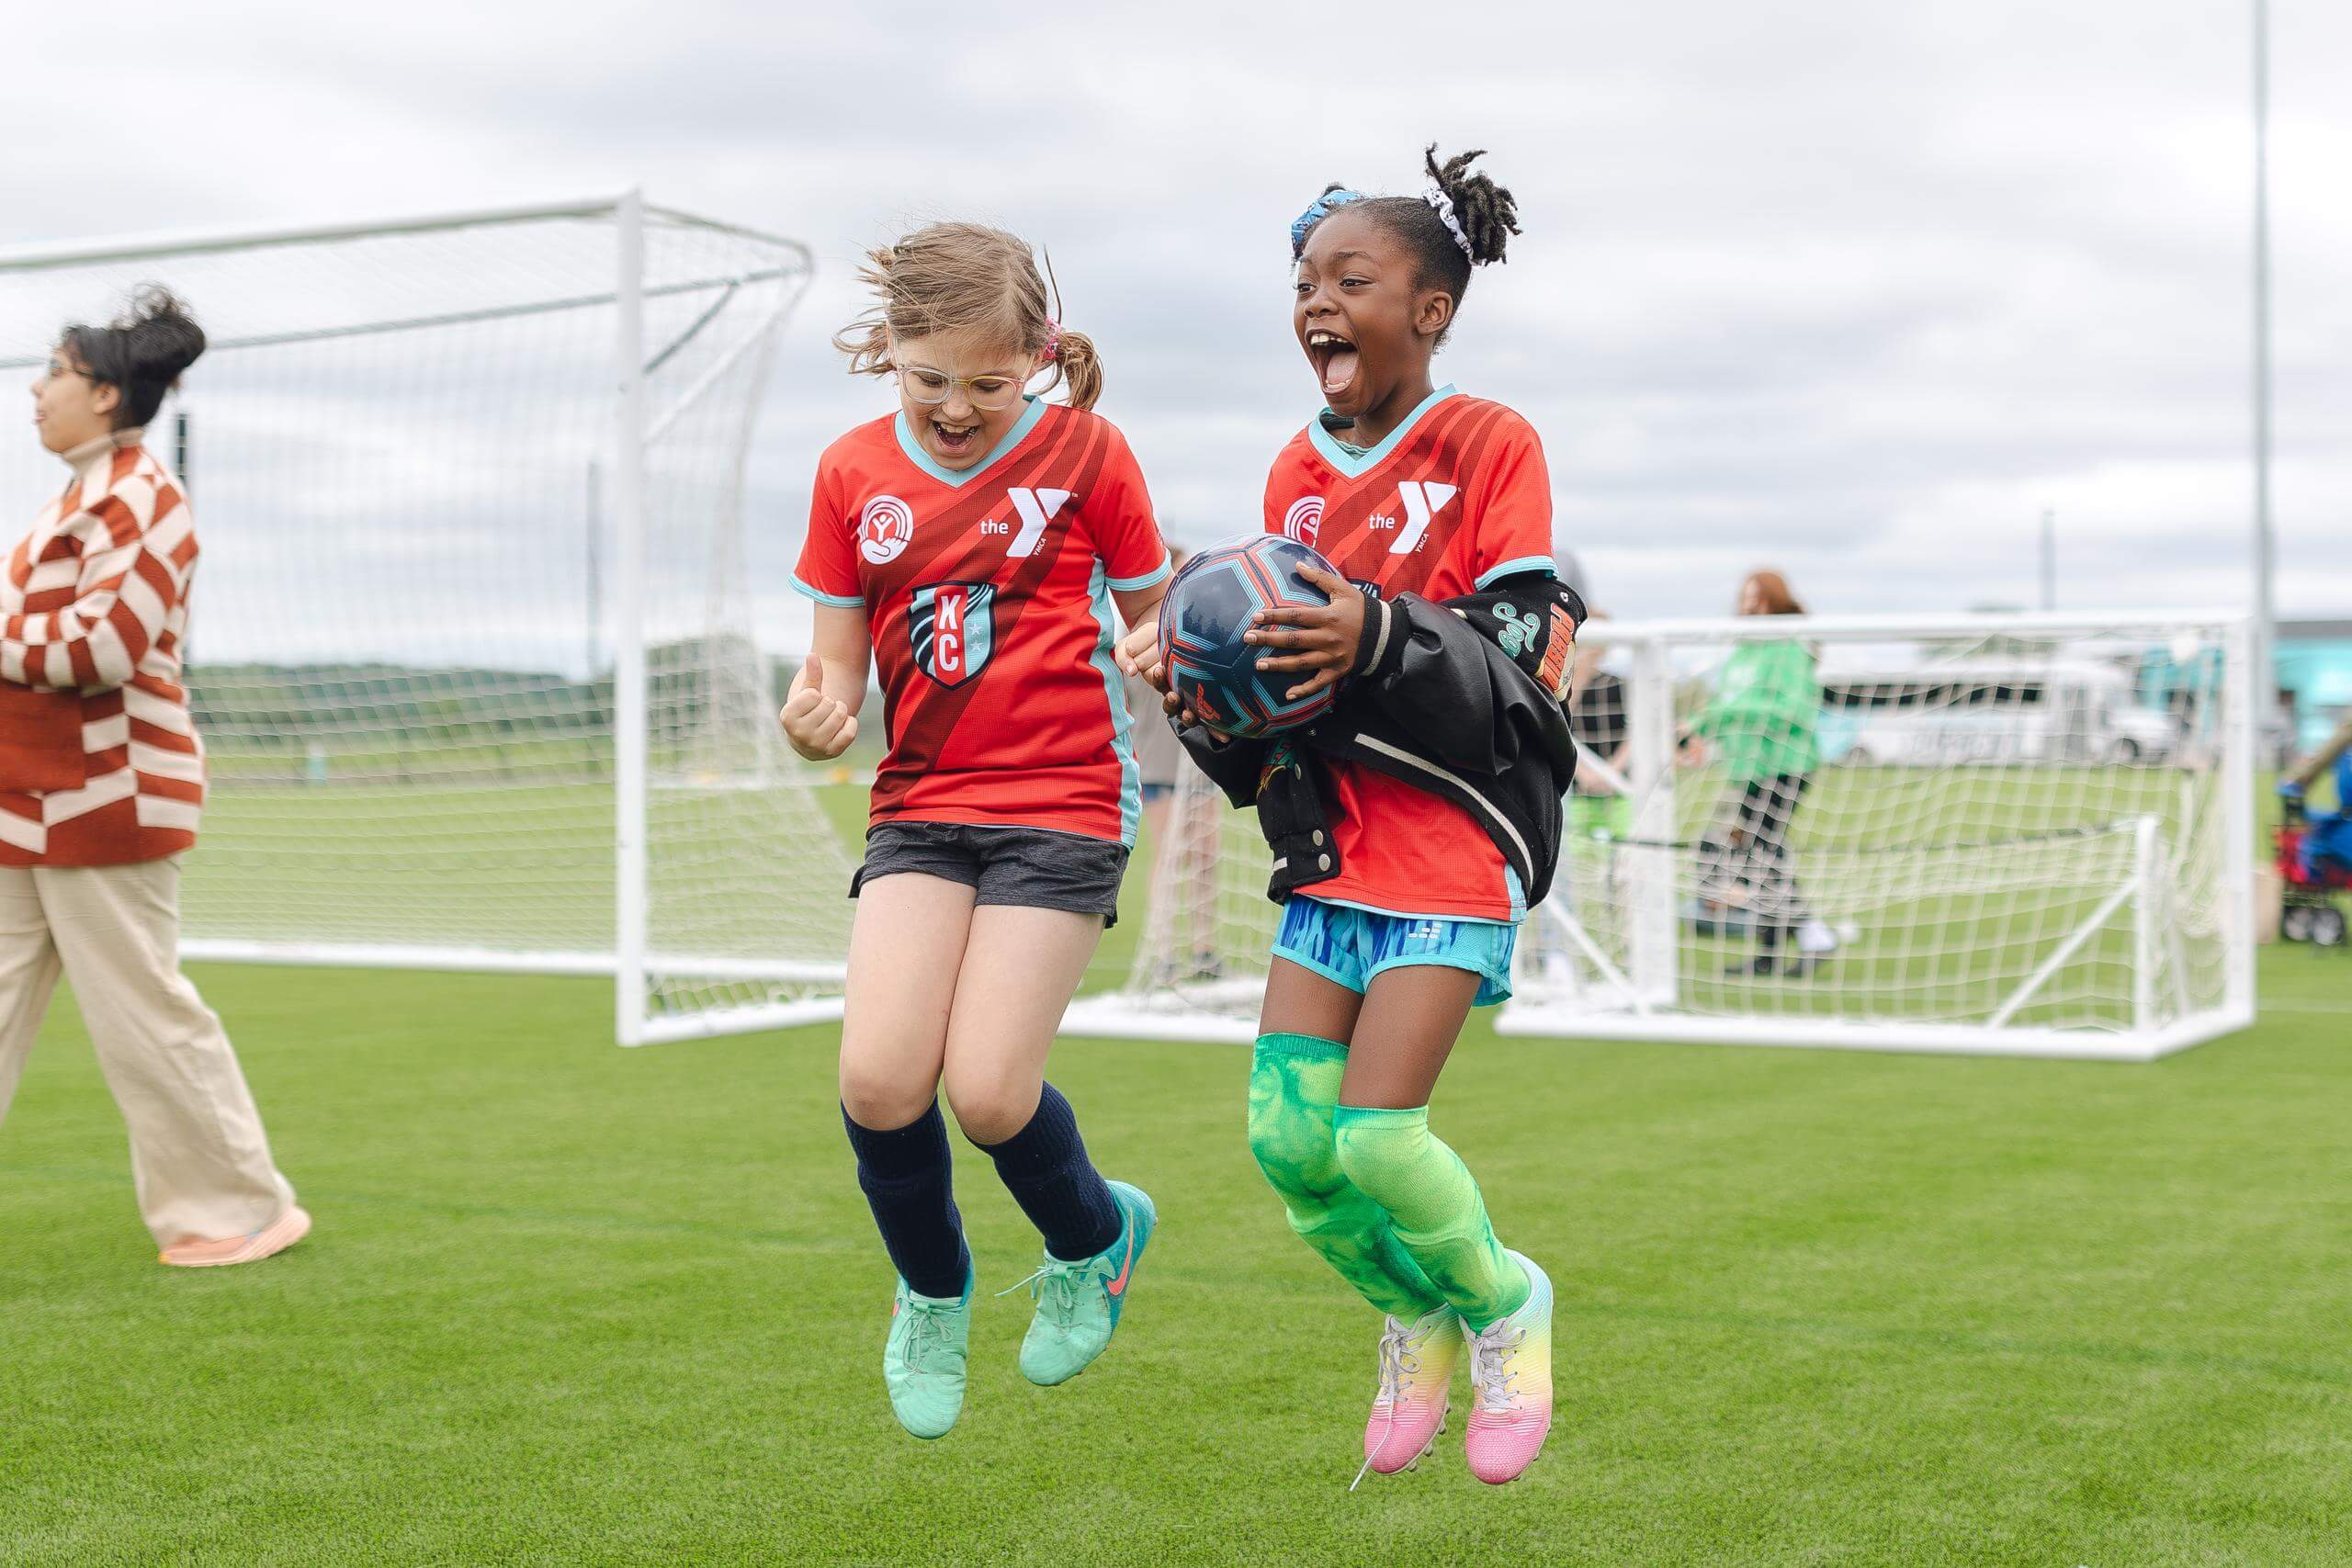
{"points": [[198, 1158]]}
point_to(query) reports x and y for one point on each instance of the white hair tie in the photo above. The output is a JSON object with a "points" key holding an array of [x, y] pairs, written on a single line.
{"points": [[1443, 204]]}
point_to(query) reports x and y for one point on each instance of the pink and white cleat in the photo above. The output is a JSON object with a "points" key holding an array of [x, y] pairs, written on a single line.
{"points": [[1416, 1361], [1510, 1380]]}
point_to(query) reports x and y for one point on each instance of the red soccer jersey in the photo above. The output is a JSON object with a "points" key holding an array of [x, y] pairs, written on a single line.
{"points": [[1454, 499], [987, 593]]}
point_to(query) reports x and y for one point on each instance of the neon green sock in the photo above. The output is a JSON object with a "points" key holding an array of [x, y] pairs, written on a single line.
{"points": [[1294, 1096], [1434, 1206]]}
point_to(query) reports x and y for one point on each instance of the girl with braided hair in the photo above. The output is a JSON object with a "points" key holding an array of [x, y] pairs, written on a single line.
{"points": [[1432, 792]]}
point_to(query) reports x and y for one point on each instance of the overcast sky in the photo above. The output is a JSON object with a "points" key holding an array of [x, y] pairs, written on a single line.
{"points": [[1852, 287]]}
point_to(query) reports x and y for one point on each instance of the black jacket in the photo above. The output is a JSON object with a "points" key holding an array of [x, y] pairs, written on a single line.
{"points": [[1462, 699]]}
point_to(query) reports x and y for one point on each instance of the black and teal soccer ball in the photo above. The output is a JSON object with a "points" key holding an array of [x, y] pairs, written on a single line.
{"points": [[1209, 606]]}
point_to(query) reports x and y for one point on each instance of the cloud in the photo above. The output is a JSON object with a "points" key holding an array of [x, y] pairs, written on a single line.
{"points": [[1852, 288]]}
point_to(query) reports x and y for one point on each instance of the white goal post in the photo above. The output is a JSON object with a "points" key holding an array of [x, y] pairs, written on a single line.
{"points": [[2019, 834], [474, 646]]}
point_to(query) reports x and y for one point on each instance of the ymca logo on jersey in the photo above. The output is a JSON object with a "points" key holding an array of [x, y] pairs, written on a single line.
{"points": [[1303, 520], [1422, 502], [885, 529], [1034, 508], [953, 629]]}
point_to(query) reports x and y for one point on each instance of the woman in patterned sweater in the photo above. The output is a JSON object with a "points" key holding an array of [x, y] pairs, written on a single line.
{"points": [[101, 781]]}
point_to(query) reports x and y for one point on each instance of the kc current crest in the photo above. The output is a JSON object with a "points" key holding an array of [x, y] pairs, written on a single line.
{"points": [[953, 629]]}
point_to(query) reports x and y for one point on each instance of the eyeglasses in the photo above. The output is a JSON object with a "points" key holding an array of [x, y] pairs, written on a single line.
{"points": [[57, 367], [989, 393]]}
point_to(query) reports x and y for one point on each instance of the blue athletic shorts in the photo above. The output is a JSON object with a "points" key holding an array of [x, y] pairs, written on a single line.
{"points": [[1347, 946]]}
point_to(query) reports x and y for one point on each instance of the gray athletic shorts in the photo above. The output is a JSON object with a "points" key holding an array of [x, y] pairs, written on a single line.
{"points": [[1029, 867]]}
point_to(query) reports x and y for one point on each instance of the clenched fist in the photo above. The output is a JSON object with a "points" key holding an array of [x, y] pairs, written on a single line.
{"points": [[820, 728]]}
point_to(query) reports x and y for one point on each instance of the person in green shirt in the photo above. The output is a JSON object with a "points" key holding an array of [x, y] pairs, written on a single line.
{"points": [[1762, 726]]}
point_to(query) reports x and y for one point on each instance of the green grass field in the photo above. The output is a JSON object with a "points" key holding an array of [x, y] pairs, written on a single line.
{"points": [[573, 1303]]}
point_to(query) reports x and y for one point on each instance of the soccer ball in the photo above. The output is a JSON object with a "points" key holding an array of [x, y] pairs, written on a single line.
{"points": [[1208, 608]]}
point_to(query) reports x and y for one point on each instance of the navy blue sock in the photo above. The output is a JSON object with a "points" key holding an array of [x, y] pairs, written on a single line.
{"points": [[1044, 1167], [909, 1184]]}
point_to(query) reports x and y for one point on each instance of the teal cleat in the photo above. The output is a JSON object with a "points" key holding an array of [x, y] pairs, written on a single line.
{"points": [[1079, 1303], [922, 1361]]}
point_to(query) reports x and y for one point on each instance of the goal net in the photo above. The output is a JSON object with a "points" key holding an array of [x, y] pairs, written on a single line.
{"points": [[2018, 834], [473, 648]]}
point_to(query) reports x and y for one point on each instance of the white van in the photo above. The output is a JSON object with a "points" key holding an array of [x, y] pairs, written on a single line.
{"points": [[1991, 710]]}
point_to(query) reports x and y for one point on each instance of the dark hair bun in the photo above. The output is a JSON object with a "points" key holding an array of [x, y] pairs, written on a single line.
{"points": [[141, 354], [160, 335], [1488, 214]]}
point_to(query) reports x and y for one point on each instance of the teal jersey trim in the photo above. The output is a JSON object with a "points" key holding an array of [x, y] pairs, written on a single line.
{"points": [[1327, 422], [840, 601], [1356, 464], [921, 459], [1164, 570], [1114, 690], [1518, 568]]}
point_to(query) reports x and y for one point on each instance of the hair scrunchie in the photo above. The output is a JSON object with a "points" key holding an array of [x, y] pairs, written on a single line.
{"points": [[1325, 204], [1435, 195]]}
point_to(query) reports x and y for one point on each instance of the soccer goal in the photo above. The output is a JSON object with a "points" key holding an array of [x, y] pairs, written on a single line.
{"points": [[473, 649], [2019, 834]]}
